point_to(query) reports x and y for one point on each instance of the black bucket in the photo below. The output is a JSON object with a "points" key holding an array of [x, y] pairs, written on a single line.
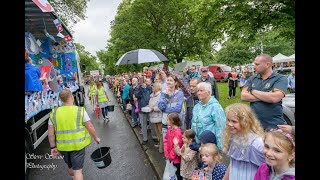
{"points": [[110, 107], [101, 157]]}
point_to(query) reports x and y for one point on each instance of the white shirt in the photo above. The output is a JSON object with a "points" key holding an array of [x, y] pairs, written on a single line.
{"points": [[84, 119]]}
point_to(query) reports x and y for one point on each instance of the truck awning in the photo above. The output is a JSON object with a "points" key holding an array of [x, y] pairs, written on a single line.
{"points": [[36, 21]]}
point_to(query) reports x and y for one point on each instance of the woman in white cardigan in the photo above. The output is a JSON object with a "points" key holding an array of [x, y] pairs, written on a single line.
{"points": [[155, 114]]}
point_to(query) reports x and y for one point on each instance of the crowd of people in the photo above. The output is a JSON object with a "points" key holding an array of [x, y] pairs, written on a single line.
{"points": [[189, 125]]}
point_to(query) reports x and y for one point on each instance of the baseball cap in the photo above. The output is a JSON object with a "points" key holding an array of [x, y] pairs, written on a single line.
{"points": [[204, 69]]}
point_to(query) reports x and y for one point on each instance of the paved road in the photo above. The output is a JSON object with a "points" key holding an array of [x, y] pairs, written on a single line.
{"points": [[128, 158]]}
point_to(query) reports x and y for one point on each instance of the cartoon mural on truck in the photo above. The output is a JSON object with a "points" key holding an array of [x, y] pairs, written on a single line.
{"points": [[58, 60]]}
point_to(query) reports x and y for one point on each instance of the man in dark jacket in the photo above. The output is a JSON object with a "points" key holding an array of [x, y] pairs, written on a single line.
{"points": [[191, 101], [142, 93], [206, 78], [134, 83]]}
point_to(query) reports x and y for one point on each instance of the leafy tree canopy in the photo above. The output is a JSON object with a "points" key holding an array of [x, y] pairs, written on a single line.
{"points": [[87, 59], [70, 11]]}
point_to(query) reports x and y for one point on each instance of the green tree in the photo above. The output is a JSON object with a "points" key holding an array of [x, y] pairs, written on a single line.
{"points": [[244, 19], [153, 24], [239, 52], [87, 59], [235, 53], [70, 11]]}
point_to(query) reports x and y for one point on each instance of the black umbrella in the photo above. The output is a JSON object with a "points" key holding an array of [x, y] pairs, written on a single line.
{"points": [[140, 56]]}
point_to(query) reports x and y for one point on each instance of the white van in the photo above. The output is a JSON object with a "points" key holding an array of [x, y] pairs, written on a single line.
{"points": [[178, 68]]}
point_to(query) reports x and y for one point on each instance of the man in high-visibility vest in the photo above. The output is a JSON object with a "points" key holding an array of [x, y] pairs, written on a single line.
{"points": [[68, 131]]}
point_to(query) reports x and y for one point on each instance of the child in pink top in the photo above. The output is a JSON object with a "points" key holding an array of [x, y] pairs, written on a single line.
{"points": [[279, 152], [173, 122]]}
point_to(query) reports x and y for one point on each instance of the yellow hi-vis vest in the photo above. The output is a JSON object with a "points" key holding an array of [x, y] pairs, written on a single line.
{"points": [[70, 132], [101, 95], [92, 90]]}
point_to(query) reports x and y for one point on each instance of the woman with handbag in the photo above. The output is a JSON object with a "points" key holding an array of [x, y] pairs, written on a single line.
{"points": [[102, 100]]}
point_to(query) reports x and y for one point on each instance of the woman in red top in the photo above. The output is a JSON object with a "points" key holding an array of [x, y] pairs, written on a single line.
{"points": [[173, 122], [232, 82]]}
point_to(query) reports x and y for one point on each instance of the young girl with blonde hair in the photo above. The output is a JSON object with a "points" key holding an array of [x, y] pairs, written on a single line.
{"points": [[243, 142], [279, 151], [211, 159]]}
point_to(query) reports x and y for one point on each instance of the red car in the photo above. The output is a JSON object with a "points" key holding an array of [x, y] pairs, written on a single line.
{"points": [[220, 72]]}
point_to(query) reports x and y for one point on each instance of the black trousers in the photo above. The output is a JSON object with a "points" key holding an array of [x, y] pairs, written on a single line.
{"points": [[178, 171], [232, 91], [188, 124]]}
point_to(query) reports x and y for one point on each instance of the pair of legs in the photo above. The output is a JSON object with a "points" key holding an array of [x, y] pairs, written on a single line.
{"points": [[164, 131], [124, 104], [232, 91], [144, 117], [179, 177], [74, 160], [143, 120], [134, 115], [158, 129], [104, 111], [91, 100], [188, 124]]}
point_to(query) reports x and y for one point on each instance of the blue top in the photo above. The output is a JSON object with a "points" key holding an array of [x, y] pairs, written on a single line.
{"points": [[218, 171], [242, 81], [125, 93], [292, 81], [245, 156], [143, 96], [170, 104], [195, 75], [210, 117], [32, 78], [269, 114]]}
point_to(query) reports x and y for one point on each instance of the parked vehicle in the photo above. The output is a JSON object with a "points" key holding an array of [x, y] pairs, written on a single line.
{"points": [[63, 61], [288, 105], [284, 71], [178, 68], [220, 72]]}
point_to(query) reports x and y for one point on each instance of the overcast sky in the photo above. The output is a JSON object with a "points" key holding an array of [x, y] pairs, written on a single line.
{"points": [[94, 31]]}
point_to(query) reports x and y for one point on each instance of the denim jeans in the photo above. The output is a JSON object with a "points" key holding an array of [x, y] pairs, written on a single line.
{"points": [[134, 115]]}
